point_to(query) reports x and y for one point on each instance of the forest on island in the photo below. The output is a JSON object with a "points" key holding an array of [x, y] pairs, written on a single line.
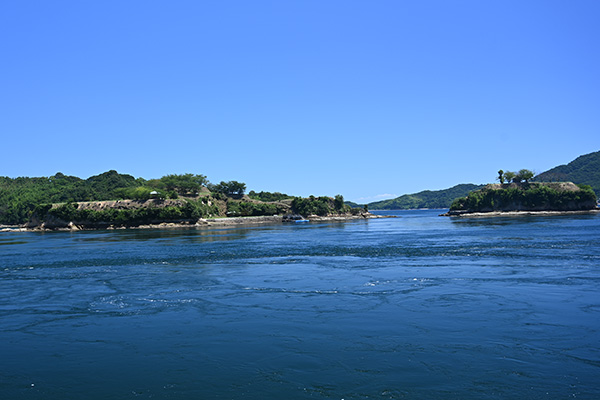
{"points": [[20, 196], [527, 197], [57, 197]]}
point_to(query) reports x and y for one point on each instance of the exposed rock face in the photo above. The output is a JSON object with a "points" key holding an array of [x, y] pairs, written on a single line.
{"points": [[128, 204], [54, 223]]}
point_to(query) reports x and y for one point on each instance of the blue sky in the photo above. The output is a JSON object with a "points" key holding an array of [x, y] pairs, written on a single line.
{"points": [[370, 99]]}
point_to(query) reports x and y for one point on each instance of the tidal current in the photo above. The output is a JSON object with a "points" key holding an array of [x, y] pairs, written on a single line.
{"points": [[414, 307]]}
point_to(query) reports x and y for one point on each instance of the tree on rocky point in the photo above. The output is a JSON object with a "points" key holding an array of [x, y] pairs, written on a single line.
{"points": [[525, 175], [509, 176]]}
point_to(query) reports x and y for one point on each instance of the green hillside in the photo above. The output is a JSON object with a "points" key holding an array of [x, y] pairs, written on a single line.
{"points": [[425, 199], [584, 170], [120, 200], [19, 197]]}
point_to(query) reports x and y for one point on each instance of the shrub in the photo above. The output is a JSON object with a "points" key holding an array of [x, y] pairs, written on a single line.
{"points": [[268, 196], [313, 205], [244, 209]]}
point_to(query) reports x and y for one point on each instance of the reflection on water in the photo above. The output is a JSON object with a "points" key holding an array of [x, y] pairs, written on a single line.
{"points": [[417, 306], [187, 234], [524, 220]]}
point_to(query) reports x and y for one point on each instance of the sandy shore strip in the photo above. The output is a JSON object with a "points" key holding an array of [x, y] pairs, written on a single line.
{"points": [[518, 213]]}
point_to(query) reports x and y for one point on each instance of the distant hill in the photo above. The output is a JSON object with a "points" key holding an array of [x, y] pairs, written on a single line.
{"points": [[584, 170], [425, 199]]}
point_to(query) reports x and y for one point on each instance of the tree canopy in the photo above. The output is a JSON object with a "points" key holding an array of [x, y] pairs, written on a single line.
{"points": [[20, 196], [228, 188], [517, 177], [184, 184]]}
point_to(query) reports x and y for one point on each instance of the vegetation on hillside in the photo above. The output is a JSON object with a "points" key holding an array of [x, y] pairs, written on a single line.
{"points": [[526, 197], [173, 185], [20, 196], [269, 196], [425, 199], [584, 170], [190, 210], [60, 199], [322, 206], [247, 209], [230, 188]]}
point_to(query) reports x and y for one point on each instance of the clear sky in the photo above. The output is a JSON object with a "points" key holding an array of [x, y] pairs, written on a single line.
{"points": [[370, 99]]}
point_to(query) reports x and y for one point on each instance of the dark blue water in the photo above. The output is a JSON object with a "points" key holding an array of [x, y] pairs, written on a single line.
{"points": [[416, 307]]}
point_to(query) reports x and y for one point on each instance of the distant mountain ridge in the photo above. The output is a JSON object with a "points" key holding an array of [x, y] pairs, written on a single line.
{"points": [[584, 170], [426, 198]]}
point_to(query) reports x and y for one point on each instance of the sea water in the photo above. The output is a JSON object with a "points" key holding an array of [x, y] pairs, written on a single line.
{"points": [[413, 307]]}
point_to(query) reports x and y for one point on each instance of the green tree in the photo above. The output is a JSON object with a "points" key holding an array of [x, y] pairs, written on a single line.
{"points": [[268, 196], [501, 176], [228, 188], [313, 205], [525, 175], [105, 184], [509, 176], [338, 202], [185, 184]]}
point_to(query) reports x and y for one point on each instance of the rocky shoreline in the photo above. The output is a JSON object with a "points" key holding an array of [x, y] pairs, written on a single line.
{"points": [[203, 222], [466, 214]]}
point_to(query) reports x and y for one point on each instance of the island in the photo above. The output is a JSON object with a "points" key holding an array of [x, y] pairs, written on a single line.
{"points": [[525, 198]]}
